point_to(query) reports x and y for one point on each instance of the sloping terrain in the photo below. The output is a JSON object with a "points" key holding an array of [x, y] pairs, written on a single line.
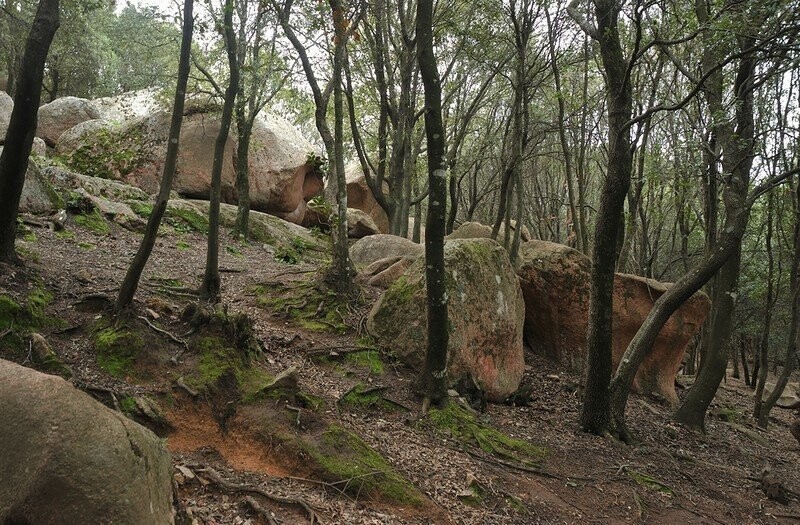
{"points": [[277, 406]]}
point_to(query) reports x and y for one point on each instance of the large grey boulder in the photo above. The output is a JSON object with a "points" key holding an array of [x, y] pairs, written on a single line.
{"points": [[371, 248], [62, 114], [69, 459], [282, 177], [485, 313]]}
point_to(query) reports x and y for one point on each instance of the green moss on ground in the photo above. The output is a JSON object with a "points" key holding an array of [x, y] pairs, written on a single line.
{"points": [[650, 482], [92, 221], [184, 220], [22, 319], [369, 359], [358, 468], [218, 358], [306, 302], [117, 348], [458, 423]]}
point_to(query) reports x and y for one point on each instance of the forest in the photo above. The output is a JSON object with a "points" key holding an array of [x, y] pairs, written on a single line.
{"points": [[395, 261]]}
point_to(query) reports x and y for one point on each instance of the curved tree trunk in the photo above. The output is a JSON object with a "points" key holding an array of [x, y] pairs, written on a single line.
{"points": [[134, 273], [22, 126]]}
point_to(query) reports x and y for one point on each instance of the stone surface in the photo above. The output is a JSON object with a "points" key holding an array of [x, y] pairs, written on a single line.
{"points": [[384, 272], [372, 248], [62, 114], [476, 230], [281, 177], [359, 196], [486, 314], [555, 285], [359, 224], [74, 460], [38, 194], [6, 105]]}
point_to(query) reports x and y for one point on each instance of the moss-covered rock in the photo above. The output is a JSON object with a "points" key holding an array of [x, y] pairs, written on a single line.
{"points": [[485, 312]]}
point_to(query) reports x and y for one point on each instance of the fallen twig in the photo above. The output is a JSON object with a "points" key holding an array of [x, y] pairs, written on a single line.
{"points": [[228, 486]]}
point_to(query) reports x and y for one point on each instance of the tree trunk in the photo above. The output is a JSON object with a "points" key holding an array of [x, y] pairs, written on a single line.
{"points": [[693, 410], [763, 351], [210, 289], [595, 415], [745, 366], [134, 273], [790, 362], [341, 269], [22, 126], [433, 380]]}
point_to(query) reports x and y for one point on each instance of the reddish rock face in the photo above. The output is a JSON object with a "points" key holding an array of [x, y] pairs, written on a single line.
{"points": [[555, 287], [485, 312], [360, 197]]}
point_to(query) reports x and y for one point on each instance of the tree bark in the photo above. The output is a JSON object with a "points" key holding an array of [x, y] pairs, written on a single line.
{"points": [[596, 412], [22, 126], [432, 382], [210, 288], [134, 273]]}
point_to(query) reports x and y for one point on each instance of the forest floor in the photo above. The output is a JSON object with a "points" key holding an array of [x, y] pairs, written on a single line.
{"points": [[230, 454]]}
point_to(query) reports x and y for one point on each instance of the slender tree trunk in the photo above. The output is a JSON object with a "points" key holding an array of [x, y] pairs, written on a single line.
{"points": [[790, 362], [763, 351], [745, 366], [596, 412], [433, 381], [22, 126], [341, 268], [210, 288], [134, 273]]}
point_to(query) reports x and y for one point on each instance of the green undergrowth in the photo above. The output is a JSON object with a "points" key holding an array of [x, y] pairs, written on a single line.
{"points": [[358, 469], [369, 359], [650, 482], [19, 319], [308, 303], [216, 358], [117, 347], [293, 252], [186, 220], [364, 396], [460, 424]]}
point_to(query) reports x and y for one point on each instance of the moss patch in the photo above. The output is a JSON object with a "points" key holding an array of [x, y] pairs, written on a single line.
{"points": [[358, 469], [92, 221], [307, 302], [456, 422], [23, 319], [369, 359], [108, 153], [117, 348], [650, 482], [185, 220]]}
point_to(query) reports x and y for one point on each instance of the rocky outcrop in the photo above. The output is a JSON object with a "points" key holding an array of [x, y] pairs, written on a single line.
{"points": [[384, 272], [359, 224], [74, 460], [555, 285], [360, 196], [485, 309], [6, 106], [38, 194], [282, 178], [476, 230], [372, 248], [62, 114]]}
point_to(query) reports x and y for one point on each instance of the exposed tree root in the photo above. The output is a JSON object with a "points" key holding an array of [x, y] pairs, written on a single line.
{"points": [[229, 487]]}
